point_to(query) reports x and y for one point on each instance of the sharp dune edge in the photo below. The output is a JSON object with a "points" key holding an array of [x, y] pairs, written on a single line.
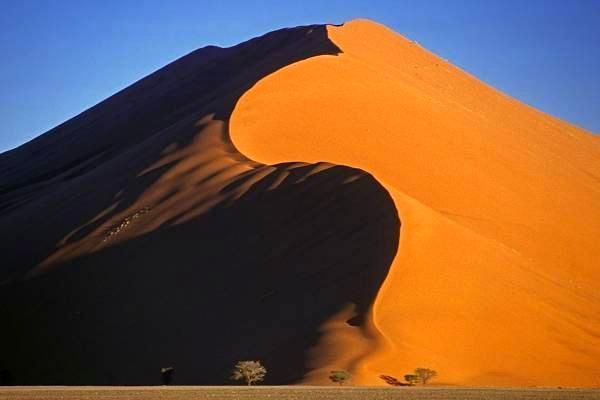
{"points": [[246, 203], [497, 276], [136, 236]]}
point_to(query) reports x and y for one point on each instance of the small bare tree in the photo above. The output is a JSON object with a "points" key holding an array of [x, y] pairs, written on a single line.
{"points": [[249, 372], [340, 377], [425, 374]]}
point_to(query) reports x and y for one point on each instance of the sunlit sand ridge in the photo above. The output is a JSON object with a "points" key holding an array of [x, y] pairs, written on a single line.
{"points": [[318, 198], [135, 236], [497, 276]]}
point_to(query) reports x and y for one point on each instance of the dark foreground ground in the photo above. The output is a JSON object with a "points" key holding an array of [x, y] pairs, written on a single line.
{"points": [[290, 393]]}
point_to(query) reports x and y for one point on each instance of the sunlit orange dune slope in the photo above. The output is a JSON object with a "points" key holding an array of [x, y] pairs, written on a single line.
{"points": [[318, 198], [135, 236], [497, 277]]}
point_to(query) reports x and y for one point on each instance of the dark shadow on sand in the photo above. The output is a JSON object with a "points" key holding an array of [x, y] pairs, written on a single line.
{"points": [[253, 279]]}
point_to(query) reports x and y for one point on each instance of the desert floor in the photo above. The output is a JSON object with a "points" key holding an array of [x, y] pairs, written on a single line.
{"points": [[289, 393]]}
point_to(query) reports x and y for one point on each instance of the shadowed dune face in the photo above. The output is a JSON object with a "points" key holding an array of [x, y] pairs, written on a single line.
{"points": [[255, 278], [135, 236], [496, 280], [110, 155]]}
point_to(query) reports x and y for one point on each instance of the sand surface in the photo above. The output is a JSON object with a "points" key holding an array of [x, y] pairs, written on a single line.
{"points": [[319, 197], [292, 393], [136, 236], [497, 277]]}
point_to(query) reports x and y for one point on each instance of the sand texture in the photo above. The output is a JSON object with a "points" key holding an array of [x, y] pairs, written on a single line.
{"points": [[291, 393], [321, 197]]}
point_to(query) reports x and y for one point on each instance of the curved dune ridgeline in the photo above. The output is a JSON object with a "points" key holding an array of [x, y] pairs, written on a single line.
{"points": [[135, 236], [254, 278], [497, 276], [245, 203]]}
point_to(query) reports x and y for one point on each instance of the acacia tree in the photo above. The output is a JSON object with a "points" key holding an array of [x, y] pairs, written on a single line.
{"points": [[425, 374], [340, 377], [249, 372], [411, 379]]}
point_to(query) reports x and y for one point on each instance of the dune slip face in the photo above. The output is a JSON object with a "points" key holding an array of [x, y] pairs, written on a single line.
{"points": [[245, 203], [136, 236]]}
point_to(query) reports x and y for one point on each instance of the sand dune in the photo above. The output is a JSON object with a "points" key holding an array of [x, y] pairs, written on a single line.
{"points": [[246, 203], [136, 236], [496, 280]]}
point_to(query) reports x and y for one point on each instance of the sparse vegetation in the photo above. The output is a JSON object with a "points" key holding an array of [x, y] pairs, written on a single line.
{"points": [[411, 379], [425, 374], [340, 377], [249, 372], [420, 375]]}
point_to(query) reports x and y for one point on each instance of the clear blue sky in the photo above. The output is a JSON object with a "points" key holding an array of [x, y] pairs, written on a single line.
{"points": [[60, 57]]}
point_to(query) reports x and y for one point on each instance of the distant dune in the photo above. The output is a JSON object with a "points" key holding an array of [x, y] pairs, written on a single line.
{"points": [[321, 197]]}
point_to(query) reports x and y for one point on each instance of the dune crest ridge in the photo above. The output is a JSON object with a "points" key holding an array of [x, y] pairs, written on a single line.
{"points": [[496, 279], [136, 236], [245, 203]]}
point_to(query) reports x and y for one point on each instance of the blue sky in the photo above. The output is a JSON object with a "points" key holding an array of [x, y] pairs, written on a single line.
{"points": [[61, 57]]}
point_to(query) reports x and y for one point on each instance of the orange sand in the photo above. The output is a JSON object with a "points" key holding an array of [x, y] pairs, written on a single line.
{"points": [[136, 236], [133, 232], [497, 279]]}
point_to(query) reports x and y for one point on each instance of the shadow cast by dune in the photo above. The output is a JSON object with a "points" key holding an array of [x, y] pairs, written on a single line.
{"points": [[125, 134], [252, 278]]}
